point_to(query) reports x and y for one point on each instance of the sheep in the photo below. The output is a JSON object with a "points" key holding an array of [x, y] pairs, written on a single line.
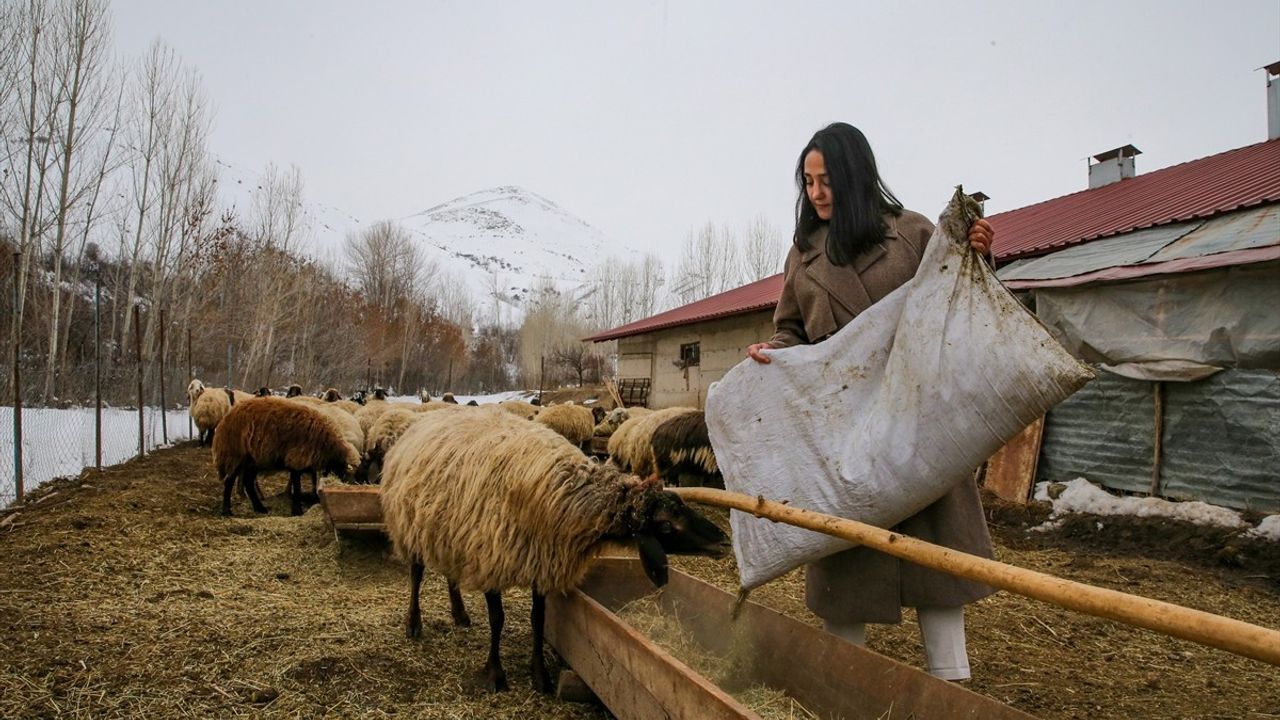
{"points": [[519, 408], [574, 422], [295, 390], [682, 452], [491, 502], [430, 406], [194, 388], [331, 395], [348, 427], [384, 434], [472, 403], [630, 446], [368, 414], [274, 434], [448, 397], [210, 408], [612, 420]]}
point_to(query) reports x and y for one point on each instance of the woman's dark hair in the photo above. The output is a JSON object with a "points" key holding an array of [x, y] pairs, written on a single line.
{"points": [[859, 197]]}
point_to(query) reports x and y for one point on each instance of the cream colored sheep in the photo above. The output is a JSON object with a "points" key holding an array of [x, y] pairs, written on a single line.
{"points": [[573, 422], [385, 432], [630, 447], [520, 408], [210, 407], [492, 502]]}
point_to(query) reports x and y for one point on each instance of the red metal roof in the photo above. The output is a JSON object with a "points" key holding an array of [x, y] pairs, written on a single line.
{"points": [[1200, 188], [758, 295]]}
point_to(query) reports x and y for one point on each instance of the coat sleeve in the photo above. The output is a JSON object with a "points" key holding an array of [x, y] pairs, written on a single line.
{"points": [[788, 325]]}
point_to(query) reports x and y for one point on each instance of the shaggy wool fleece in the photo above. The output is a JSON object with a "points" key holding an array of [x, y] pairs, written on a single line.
{"points": [[631, 446], [492, 501]]}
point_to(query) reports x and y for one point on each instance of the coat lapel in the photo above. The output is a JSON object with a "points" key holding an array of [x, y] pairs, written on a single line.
{"points": [[844, 283]]}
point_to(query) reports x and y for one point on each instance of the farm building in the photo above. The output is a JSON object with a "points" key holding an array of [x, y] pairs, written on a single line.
{"points": [[1166, 282], [671, 358]]}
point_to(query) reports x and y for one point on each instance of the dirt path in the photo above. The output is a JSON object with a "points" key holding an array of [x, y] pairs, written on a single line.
{"points": [[126, 595]]}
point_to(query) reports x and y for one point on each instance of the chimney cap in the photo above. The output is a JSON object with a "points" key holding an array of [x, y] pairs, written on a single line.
{"points": [[980, 196], [1272, 69], [1123, 151]]}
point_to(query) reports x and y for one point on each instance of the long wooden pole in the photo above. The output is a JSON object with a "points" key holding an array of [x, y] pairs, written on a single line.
{"points": [[191, 375], [1235, 636], [97, 370]]}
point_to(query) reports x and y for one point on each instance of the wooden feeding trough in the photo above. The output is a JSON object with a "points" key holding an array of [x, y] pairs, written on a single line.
{"points": [[828, 677], [352, 509]]}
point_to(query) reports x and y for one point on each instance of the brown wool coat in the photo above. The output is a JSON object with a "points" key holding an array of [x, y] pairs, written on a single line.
{"points": [[862, 585]]}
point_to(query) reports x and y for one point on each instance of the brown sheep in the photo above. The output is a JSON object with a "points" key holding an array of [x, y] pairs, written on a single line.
{"points": [[274, 434], [682, 452], [630, 446], [520, 408], [493, 502]]}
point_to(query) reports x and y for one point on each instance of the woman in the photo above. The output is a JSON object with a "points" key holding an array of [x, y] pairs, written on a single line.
{"points": [[854, 244]]}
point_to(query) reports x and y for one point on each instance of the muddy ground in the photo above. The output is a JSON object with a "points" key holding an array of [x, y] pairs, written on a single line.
{"points": [[125, 594]]}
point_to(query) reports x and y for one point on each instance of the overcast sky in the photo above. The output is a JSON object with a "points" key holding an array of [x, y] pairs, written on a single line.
{"points": [[648, 118]]}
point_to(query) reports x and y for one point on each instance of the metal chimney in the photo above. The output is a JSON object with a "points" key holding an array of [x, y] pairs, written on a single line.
{"points": [[1273, 100], [1113, 166]]}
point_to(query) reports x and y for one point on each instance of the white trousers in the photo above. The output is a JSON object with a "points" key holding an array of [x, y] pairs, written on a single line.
{"points": [[943, 631]]}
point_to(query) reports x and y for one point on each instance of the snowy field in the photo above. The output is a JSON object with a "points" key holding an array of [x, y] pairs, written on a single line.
{"points": [[59, 442]]}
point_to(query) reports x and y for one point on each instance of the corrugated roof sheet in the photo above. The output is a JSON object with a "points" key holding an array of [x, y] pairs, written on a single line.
{"points": [[1200, 188], [758, 295]]}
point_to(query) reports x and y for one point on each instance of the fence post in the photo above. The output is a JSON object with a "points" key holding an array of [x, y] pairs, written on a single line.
{"points": [[228, 366], [137, 354], [542, 372], [164, 420], [17, 380], [191, 374], [97, 372]]}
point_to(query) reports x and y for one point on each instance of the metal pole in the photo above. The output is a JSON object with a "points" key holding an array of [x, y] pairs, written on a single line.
{"points": [[191, 374], [164, 421], [97, 372], [137, 354], [17, 380]]}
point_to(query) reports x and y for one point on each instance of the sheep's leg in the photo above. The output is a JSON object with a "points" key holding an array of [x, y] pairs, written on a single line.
{"points": [[494, 675], [228, 481], [413, 621], [249, 484], [315, 483], [456, 608], [537, 664], [295, 490]]}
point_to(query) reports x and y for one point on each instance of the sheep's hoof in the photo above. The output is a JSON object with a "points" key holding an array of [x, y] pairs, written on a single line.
{"points": [[413, 630], [261, 510], [541, 679], [493, 678], [226, 512], [462, 620]]}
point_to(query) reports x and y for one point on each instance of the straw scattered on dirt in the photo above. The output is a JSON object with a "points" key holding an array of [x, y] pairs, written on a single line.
{"points": [[124, 594]]}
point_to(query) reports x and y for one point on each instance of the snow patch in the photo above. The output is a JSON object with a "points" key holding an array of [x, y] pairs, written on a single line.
{"points": [[1082, 496], [1268, 529]]}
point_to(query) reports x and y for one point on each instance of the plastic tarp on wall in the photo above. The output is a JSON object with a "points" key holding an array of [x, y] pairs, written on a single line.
{"points": [[1104, 433], [1222, 440], [1171, 327]]}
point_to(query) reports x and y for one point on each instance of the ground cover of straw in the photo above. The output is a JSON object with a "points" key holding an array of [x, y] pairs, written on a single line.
{"points": [[124, 594]]}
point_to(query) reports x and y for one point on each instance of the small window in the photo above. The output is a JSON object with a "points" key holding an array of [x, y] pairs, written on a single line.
{"points": [[689, 354]]}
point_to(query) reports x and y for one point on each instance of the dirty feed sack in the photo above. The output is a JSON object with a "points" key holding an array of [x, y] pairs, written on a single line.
{"points": [[888, 414]]}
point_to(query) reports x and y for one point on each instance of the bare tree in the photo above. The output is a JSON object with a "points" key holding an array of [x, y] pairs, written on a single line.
{"points": [[708, 264], [762, 251], [385, 264]]}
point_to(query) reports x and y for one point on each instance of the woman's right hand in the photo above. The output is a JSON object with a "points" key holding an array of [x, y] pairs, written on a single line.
{"points": [[755, 352]]}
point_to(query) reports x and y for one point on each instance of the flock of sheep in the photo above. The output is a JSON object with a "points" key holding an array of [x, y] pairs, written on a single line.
{"points": [[491, 497]]}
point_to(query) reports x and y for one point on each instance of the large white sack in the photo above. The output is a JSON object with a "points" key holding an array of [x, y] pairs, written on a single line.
{"points": [[890, 413]]}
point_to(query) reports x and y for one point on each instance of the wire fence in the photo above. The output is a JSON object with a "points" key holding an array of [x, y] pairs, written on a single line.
{"points": [[61, 442]]}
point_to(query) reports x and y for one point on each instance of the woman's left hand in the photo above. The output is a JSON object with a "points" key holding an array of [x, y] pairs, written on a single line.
{"points": [[980, 236]]}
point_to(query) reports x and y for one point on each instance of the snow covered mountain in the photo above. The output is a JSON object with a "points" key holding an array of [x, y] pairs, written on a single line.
{"points": [[506, 241], [503, 242]]}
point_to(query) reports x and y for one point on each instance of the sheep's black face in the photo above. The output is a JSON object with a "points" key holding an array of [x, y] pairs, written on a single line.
{"points": [[671, 527]]}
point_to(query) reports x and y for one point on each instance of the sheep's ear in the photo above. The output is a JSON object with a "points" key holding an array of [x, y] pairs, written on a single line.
{"points": [[653, 559]]}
